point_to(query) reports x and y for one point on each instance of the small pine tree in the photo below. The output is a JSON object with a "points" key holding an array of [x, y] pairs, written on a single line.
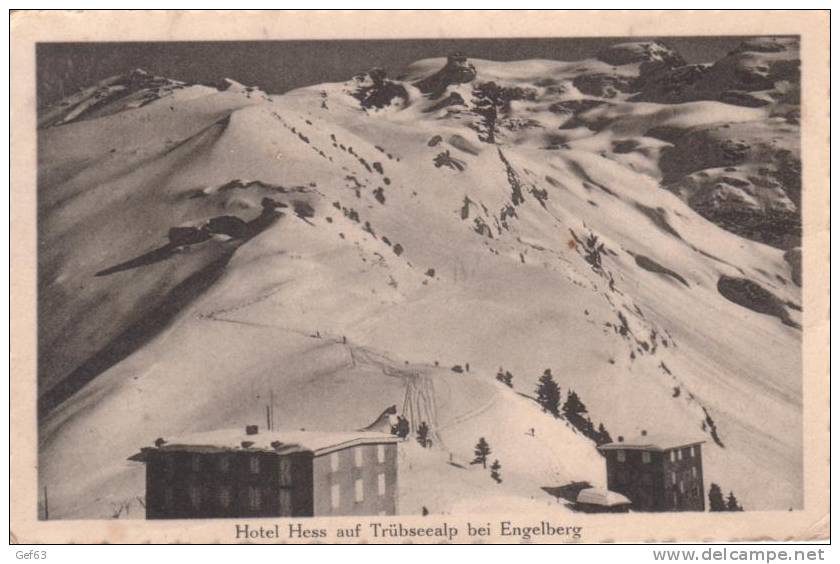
{"points": [[574, 411], [505, 377], [423, 435], [732, 503], [603, 435], [495, 473], [508, 379], [482, 451], [573, 405], [548, 393], [716, 502], [401, 429]]}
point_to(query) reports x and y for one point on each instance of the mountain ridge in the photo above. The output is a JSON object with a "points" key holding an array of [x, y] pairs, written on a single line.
{"points": [[491, 231]]}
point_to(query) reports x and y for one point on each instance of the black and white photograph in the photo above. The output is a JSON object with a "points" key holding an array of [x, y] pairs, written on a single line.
{"points": [[423, 277]]}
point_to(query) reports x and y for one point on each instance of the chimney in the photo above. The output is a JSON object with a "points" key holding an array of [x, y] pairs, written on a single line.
{"points": [[644, 432], [252, 429], [247, 444], [620, 439], [159, 442]]}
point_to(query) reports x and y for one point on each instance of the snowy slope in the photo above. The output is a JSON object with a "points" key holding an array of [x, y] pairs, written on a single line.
{"points": [[396, 242]]}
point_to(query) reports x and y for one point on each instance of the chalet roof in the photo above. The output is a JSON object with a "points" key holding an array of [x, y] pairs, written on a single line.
{"points": [[278, 442], [657, 442], [598, 496]]}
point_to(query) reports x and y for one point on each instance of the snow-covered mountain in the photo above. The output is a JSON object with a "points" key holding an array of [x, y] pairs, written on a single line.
{"points": [[629, 221]]}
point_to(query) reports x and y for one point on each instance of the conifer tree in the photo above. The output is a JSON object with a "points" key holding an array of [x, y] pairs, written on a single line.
{"points": [[508, 379], [716, 502], [482, 451], [495, 473], [603, 436], [548, 393], [574, 410], [423, 435], [732, 503]]}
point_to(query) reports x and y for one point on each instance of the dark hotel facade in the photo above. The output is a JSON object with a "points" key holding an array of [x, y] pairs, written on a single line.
{"points": [[657, 473], [248, 473]]}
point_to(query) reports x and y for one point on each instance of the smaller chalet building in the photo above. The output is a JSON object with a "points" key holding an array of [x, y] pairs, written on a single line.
{"points": [[657, 472], [248, 473]]}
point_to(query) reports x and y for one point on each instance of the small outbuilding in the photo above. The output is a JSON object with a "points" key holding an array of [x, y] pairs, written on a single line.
{"points": [[598, 500]]}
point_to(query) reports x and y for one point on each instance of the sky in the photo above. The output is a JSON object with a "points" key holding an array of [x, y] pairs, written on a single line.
{"points": [[280, 66]]}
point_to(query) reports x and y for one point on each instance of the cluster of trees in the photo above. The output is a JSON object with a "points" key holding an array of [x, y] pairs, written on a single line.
{"points": [[401, 428], [482, 453], [717, 503], [505, 377], [572, 410], [423, 435], [490, 101]]}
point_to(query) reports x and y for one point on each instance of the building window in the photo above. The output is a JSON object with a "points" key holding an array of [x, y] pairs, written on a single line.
{"points": [[676, 499], [380, 482], [169, 467], [673, 477], [285, 471], [254, 498], [691, 452], [334, 461], [224, 463], [168, 497], [620, 456], [224, 497], [646, 457], [285, 502], [255, 464], [335, 496], [693, 471], [380, 453], [195, 496], [697, 450], [359, 487], [682, 486], [673, 456], [358, 456], [195, 463], [679, 454]]}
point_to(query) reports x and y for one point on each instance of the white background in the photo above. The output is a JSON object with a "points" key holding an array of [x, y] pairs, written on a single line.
{"points": [[351, 554]]}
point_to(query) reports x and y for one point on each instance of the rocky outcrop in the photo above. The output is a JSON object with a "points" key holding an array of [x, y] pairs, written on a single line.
{"points": [[759, 72], [794, 259], [746, 178], [457, 70], [114, 94], [604, 85], [632, 52], [375, 91], [750, 295]]}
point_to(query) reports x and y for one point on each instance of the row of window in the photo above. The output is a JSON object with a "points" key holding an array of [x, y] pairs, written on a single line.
{"points": [[676, 454], [693, 475], [359, 491], [222, 497], [223, 464], [694, 493], [358, 457]]}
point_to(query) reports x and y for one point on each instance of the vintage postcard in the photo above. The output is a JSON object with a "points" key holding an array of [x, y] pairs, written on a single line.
{"points": [[390, 277]]}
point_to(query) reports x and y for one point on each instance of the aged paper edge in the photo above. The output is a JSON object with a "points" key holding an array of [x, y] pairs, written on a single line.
{"points": [[30, 27]]}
